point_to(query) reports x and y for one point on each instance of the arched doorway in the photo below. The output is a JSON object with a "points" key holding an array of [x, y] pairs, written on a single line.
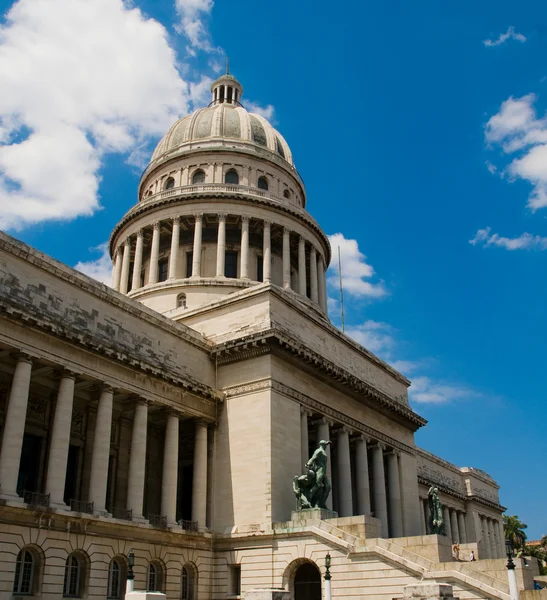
{"points": [[307, 582]]}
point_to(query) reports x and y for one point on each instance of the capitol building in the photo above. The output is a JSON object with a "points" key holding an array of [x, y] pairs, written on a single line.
{"points": [[168, 414]]}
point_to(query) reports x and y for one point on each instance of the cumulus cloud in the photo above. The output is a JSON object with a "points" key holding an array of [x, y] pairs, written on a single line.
{"points": [[374, 336], [264, 111], [518, 130], [356, 272], [427, 391], [525, 241], [100, 268], [193, 16], [79, 79], [510, 34]]}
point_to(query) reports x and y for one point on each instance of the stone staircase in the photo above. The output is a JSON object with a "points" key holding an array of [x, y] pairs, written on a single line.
{"points": [[450, 572]]}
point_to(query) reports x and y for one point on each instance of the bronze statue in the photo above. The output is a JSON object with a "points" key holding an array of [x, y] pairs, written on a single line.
{"points": [[313, 488], [436, 521]]}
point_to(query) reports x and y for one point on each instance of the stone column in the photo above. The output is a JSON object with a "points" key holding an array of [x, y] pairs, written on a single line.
{"points": [[196, 257], [362, 485], [154, 255], [169, 483], [345, 498], [427, 515], [174, 252], [137, 264], [313, 276], [101, 452], [14, 428], [199, 487], [423, 518], [379, 487], [447, 525], [137, 460], [501, 538], [322, 289], [394, 496], [60, 440], [221, 245], [244, 268], [304, 439], [267, 252], [124, 277], [454, 526], [323, 433], [491, 543], [302, 266], [461, 528], [286, 258], [117, 271]]}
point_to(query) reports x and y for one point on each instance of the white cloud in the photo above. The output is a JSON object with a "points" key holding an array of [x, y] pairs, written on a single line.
{"points": [[79, 79], [264, 111], [374, 336], [193, 16], [100, 268], [491, 167], [517, 129], [355, 269], [427, 391], [525, 241], [510, 34]]}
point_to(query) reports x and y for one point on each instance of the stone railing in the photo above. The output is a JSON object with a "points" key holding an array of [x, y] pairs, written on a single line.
{"points": [[223, 188]]}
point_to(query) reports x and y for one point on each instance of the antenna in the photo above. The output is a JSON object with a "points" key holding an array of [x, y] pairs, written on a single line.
{"points": [[227, 65], [341, 288]]}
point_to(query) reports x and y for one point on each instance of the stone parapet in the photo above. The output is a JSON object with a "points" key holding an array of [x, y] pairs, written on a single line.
{"points": [[428, 591]]}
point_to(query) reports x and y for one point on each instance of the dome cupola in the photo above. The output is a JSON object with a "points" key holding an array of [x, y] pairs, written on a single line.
{"points": [[221, 208]]}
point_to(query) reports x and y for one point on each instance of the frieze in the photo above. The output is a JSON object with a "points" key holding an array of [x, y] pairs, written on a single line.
{"points": [[433, 475], [37, 410], [77, 426]]}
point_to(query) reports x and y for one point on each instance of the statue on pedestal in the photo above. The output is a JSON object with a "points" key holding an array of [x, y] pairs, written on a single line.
{"points": [[313, 488], [436, 521]]}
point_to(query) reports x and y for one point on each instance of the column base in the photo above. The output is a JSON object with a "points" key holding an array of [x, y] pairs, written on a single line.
{"points": [[14, 498]]}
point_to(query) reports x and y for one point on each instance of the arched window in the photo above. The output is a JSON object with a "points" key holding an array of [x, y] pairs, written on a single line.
{"points": [[286, 194], [198, 177], [262, 183], [155, 577], [181, 301], [169, 184], [188, 583], [25, 573], [231, 177], [74, 577], [114, 579]]}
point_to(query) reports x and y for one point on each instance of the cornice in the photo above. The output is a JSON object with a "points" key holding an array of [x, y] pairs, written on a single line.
{"points": [[335, 416], [278, 342], [143, 208], [450, 492]]}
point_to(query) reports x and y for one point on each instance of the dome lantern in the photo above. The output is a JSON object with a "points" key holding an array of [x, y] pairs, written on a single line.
{"points": [[226, 89]]}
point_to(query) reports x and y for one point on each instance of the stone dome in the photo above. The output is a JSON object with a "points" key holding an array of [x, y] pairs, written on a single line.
{"points": [[221, 122]]}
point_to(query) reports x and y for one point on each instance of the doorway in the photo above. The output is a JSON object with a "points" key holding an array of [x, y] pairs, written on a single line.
{"points": [[307, 582]]}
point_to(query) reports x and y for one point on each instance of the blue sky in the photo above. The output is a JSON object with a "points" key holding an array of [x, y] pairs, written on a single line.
{"points": [[419, 129]]}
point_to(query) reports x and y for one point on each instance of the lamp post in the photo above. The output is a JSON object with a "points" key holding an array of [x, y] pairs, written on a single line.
{"points": [[328, 595], [511, 575], [130, 585]]}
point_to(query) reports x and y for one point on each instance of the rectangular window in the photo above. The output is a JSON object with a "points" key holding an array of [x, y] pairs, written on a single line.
{"points": [[230, 264], [189, 260], [259, 268], [235, 580], [163, 266]]}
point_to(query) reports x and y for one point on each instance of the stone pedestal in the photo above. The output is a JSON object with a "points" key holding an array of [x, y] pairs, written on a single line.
{"points": [[428, 591], [144, 596], [313, 514], [267, 594]]}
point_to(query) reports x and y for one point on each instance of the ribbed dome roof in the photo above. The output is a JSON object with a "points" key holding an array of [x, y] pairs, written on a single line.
{"points": [[223, 121]]}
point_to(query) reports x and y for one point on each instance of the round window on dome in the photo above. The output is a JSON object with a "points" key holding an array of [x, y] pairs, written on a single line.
{"points": [[198, 177], [286, 194], [262, 183], [169, 184], [231, 177]]}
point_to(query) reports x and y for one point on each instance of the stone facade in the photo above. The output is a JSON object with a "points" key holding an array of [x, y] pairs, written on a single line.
{"points": [[168, 415]]}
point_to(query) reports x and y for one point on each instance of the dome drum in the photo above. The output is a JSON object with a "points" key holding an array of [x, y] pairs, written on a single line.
{"points": [[210, 254]]}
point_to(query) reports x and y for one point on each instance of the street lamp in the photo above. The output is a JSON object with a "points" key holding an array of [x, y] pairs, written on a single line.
{"points": [[327, 577], [511, 575], [130, 585]]}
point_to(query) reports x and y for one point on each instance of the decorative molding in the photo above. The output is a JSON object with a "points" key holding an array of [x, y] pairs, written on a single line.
{"points": [[37, 410]]}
